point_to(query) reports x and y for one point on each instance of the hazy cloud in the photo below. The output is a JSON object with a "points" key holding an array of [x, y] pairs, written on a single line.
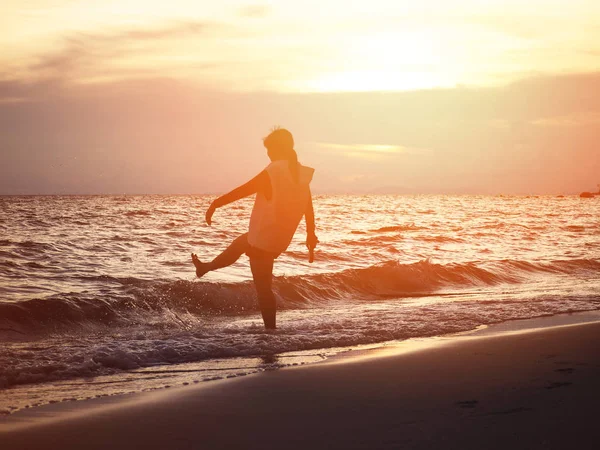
{"points": [[519, 27], [255, 11], [19, 90], [353, 149], [164, 136], [573, 120], [86, 52], [352, 178]]}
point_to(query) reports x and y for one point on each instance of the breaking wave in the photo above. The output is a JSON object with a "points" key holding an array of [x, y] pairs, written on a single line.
{"points": [[129, 300]]}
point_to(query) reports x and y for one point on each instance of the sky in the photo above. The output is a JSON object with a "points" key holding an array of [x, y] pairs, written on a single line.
{"points": [[468, 96]]}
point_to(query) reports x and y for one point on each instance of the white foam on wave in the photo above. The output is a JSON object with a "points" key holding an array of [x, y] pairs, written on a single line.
{"points": [[109, 351]]}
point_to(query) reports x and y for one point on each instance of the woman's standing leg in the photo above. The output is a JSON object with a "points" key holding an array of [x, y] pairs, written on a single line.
{"points": [[262, 272], [230, 255]]}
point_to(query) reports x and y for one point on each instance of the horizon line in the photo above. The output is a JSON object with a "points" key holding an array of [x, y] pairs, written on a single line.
{"points": [[361, 193]]}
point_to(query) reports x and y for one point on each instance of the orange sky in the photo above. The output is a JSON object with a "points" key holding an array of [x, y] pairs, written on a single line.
{"points": [[173, 97]]}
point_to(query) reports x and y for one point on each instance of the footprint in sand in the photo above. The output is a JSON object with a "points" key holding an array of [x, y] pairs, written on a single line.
{"points": [[558, 384], [516, 410], [570, 363], [566, 370], [467, 403]]}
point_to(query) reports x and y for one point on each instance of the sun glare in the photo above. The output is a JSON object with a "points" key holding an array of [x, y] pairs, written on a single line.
{"points": [[384, 61], [373, 80]]}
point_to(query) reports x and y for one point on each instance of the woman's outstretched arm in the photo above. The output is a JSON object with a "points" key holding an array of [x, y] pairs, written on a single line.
{"points": [[260, 182]]}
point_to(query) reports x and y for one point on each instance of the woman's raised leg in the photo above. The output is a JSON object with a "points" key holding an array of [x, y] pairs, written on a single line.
{"points": [[230, 255]]}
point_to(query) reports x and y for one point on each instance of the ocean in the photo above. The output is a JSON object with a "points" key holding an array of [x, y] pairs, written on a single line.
{"points": [[98, 295]]}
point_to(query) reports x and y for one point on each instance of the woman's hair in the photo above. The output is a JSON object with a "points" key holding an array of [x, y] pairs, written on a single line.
{"points": [[280, 144]]}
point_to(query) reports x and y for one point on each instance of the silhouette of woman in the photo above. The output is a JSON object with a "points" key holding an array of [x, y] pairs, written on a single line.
{"points": [[282, 197]]}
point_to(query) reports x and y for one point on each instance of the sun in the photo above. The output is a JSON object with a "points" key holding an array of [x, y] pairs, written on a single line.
{"points": [[392, 60]]}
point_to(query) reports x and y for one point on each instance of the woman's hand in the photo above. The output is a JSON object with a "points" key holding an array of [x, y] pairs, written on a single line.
{"points": [[209, 213], [311, 241]]}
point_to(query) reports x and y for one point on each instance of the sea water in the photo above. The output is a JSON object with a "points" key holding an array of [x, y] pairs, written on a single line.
{"points": [[98, 294]]}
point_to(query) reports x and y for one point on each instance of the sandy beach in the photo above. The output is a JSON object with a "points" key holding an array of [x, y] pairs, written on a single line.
{"points": [[531, 389]]}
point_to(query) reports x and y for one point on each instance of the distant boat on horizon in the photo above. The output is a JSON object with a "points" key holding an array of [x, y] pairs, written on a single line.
{"points": [[590, 194]]}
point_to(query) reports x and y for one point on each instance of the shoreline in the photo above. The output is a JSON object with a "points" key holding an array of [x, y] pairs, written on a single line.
{"points": [[496, 329], [515, 383], [232, 368], [185, 375]]}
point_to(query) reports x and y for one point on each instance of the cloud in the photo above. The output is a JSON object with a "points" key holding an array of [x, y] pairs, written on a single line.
{"points": [[13, 100], [86, 54], [519, 27], [182, 138], [376, 148], [573, 120], [354, 149], [255, 11], [353, 178], [18, 90]]}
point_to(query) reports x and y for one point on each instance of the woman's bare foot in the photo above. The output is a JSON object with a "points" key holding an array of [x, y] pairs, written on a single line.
{"points": [[201, 268]]}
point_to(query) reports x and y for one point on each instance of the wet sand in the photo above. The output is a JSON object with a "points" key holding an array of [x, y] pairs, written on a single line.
{"points": [[535, 389]]}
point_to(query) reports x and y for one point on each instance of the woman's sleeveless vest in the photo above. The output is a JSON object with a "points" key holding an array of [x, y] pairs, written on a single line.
{"points": [[273, 222]]}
